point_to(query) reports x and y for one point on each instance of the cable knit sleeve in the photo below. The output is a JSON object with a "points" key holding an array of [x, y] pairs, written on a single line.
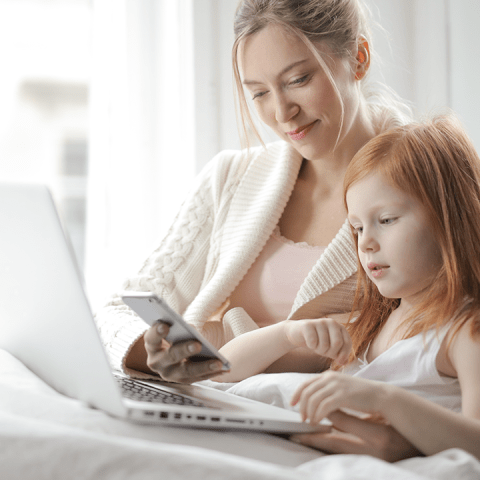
{"points": [[228, 325], [174, 271]]}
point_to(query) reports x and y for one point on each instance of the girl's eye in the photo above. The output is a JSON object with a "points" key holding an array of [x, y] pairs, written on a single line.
{"points": [[357, 230], [387, 221]]}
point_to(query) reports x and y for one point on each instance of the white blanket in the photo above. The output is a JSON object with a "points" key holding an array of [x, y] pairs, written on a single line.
{"points": [[44, 435]]}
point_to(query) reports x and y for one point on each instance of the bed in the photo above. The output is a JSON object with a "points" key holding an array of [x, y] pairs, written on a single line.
{"points": [[45, 435]]}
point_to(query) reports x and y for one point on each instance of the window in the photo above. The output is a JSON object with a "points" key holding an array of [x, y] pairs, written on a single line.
{"points": [[44, 89]]}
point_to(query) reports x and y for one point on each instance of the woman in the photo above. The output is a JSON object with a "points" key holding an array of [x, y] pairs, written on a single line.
{"points": [[263, 235]]}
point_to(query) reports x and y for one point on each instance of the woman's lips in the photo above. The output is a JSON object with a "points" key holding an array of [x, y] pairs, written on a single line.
{"points": [[301, 132]]}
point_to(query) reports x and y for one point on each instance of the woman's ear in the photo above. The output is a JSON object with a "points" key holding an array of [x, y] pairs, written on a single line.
{"points": [[363, 58]]}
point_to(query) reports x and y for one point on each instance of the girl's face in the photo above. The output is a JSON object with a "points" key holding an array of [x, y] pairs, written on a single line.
{"points": [[294, 96], [397, 246]]}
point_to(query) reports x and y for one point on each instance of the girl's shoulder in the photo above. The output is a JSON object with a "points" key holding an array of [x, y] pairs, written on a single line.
{"points": [[461, 347], [464, 354]]}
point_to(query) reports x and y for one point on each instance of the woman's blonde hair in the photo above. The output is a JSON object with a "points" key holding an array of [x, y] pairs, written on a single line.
{"points": [[339, 24], [436, 163]]}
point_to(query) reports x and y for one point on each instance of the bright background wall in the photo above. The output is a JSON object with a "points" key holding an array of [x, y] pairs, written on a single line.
{"points": [[117, 104]]}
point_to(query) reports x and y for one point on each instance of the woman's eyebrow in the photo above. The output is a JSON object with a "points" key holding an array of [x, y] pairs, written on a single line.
{"points": [[283, 72]]}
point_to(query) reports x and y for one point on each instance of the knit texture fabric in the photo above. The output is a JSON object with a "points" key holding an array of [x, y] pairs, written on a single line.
{"points": [[223, 225]]}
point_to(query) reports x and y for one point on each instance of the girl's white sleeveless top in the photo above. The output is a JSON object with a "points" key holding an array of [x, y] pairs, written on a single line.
{"points": [[411, 364]]}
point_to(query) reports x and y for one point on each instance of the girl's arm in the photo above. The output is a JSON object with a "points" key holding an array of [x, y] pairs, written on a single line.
{"points": [[255, 351], [430, 427]]}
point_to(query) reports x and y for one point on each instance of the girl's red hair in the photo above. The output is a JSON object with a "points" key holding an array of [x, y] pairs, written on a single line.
{"points": [[435, 162]]}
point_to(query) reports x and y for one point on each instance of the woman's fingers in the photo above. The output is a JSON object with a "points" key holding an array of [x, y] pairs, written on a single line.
{"points": [[155, 334], [354, 435], [188, 371], [332, 442], [172, 362], [361, 427]]}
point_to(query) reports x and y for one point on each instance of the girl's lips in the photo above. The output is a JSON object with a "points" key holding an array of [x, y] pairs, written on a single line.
{"points": [[301, 132], [376, 270], [377, 273]]}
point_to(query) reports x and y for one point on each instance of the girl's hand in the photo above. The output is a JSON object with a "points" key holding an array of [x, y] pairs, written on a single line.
{"points": [[331, 391], [324, 336]]}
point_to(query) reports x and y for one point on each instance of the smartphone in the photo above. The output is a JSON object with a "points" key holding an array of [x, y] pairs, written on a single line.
{"points": [[151, 309]]}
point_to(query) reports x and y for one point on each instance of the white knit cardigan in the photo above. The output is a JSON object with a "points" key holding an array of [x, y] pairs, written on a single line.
{"points": [[222, 227]]}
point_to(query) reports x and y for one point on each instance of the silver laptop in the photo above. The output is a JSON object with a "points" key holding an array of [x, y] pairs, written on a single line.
{"points": [[46, 322]]}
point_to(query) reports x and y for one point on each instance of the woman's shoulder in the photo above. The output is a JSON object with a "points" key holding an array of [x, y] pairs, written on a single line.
{"points": [[256, 153], [233, 163]]}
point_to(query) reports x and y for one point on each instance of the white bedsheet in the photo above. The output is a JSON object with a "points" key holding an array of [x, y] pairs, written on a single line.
{"points": [[44, 435]]}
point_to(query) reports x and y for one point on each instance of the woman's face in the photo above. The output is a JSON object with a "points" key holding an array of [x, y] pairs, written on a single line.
{"points": [[294, 96]]}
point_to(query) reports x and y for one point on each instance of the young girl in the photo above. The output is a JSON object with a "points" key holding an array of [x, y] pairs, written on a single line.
{"points": [[413, 201]]}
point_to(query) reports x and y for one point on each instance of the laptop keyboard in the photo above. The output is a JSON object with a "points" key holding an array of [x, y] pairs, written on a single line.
{"points": [[144, 393]]}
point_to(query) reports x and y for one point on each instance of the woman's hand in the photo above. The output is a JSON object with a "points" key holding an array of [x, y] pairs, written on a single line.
{"points": [[325, 336], [368, 436], [172, 362], [330, 391]]}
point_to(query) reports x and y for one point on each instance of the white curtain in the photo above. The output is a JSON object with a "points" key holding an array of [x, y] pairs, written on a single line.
{"points": [[428, 48], [142, 133]]}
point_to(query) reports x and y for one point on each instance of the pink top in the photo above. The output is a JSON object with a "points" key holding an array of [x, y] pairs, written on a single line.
{"points": [[269, 288]]}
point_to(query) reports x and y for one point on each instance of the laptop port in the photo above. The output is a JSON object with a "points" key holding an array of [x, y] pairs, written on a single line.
{"points": [[235, 420], [201, 417], [148, 413], [178, 415], [215, 419], [163, 414]]}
